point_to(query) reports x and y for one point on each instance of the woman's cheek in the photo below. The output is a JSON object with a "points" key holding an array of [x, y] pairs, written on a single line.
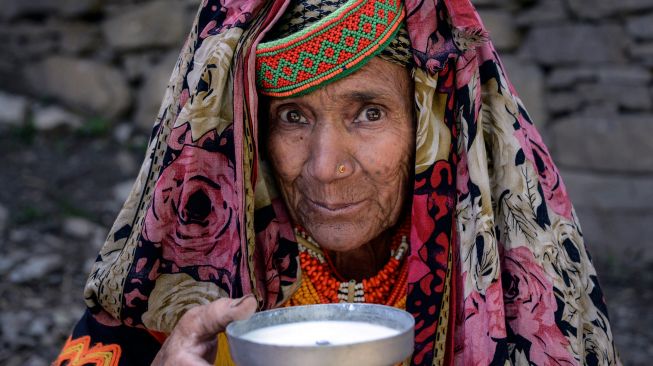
{"points": [[388, 164], [287, 156], [286, 147]]}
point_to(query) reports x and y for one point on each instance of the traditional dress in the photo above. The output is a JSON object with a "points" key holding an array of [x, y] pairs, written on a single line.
{"points": [[495, 265]]}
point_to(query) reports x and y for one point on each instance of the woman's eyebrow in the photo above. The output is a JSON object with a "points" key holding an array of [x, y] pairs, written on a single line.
{"points": [[363, 96], [276, 102]]}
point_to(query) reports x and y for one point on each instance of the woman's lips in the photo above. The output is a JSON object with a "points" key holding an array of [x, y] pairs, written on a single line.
{"points": [[335, 208]]}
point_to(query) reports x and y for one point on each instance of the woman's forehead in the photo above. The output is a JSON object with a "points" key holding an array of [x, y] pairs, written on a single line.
{"points": [[377, 80]]}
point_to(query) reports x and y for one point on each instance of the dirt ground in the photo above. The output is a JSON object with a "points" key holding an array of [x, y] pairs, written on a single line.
{"points": [[60, 193]]}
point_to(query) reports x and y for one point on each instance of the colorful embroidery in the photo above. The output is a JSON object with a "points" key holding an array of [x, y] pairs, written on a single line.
{"points": [[77, 353], [328, 50]]}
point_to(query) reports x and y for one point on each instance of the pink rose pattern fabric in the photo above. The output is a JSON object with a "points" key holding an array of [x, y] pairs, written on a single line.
{"points": [[192, 215], [498, 270], [524, 289], [189, 216], [535, 151], [530, 306]]}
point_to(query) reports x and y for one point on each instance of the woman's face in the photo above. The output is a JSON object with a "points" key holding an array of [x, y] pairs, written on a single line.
{"points": [[342, 154]]}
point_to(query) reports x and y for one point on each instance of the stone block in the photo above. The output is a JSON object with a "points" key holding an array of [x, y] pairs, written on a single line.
{"points": [[640, 27], [53, 117], [631, 6], [529, 83], [642, 52], [24, 42], [123, 132], [490, 3], [13, 109], [625, 96], [563, 102], [590, 9], [601, 110], [618, 237], [82, 84], [604, 144], [121, 191], [138, 65], [573, 44], [9, 73], [636, 98], [544, 12], [151, 93], [160, 23], [598, 10], [609, 191], [35, 268], [501, 26], [78, 37], [81, 228], [4, 219], [568, 77], [631, 75], [11, 9], [71, 8]]}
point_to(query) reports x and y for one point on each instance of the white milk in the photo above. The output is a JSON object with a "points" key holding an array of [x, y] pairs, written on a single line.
{"points": [[319, 333]]}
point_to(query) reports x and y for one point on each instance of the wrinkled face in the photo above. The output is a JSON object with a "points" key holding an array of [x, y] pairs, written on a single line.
{"points": [[342, 155]]}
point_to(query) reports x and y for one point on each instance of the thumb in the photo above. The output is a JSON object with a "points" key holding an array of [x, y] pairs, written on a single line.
{"points": [[215, 316]]}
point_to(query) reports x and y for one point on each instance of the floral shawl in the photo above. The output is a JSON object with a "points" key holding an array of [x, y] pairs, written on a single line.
{"points": [[498, 270]]}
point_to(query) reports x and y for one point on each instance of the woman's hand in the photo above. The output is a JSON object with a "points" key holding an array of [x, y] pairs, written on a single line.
{"points": [[193, 341]]}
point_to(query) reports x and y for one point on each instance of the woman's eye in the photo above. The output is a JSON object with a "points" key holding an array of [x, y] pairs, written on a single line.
{"points": [[370, 114], [292, 116]]}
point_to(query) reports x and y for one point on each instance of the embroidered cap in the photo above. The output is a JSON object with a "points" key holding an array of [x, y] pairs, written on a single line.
{"points": [[329, 49]]}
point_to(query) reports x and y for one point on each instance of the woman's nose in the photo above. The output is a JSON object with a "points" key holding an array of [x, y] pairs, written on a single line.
{"points": [[330, 157]]}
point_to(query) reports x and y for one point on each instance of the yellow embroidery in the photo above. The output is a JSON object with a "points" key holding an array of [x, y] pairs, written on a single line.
{"points": [[77, 353], [223, 357]]}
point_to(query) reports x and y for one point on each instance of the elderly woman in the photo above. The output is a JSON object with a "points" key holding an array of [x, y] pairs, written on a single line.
{"points": [[345, 151]]}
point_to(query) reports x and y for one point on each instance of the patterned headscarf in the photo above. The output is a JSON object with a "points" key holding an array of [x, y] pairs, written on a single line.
{"points": [[498, 271], [302, 14]]}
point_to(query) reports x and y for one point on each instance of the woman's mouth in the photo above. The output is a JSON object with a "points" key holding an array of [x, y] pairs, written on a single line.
{"points": [[335, 208]]}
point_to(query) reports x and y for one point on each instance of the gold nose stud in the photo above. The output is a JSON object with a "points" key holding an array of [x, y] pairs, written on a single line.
{"points": [[341, 168]]}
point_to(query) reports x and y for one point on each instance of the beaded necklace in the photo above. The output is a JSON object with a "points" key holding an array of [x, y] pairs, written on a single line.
{"points": [[321, 283]]}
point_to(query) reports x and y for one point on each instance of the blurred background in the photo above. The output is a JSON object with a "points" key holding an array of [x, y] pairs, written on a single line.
{"points": [[81, 82]]}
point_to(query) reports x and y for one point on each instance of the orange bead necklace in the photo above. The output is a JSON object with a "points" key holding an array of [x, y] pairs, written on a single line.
{"points": [[322, 283]]}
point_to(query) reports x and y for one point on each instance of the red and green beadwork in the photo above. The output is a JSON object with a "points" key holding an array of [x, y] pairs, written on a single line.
{"points": [[330, 49]]}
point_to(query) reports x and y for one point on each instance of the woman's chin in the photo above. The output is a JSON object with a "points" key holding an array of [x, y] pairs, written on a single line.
{"points": [[338, 237]]}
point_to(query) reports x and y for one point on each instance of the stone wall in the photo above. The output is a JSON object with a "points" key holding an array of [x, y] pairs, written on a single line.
{"points": [[584, 69], [108, 59]]}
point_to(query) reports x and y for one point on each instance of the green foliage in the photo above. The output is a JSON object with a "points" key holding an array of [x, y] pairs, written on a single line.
{"points": [[95, 127], [68, 208], [24, 133], [28, 214]]}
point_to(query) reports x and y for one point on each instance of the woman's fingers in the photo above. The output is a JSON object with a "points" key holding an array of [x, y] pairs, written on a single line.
{"points": [[193, 341], [214, 317]]}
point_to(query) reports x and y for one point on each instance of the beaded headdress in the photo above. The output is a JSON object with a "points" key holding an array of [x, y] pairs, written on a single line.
{"points": [[318, 42]]}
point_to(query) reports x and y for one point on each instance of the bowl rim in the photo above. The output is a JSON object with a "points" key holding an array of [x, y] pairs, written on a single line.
{"points": [[231, 328]]}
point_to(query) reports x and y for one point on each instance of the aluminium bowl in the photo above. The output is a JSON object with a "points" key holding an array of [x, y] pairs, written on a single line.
{"points": [[379, 352]]}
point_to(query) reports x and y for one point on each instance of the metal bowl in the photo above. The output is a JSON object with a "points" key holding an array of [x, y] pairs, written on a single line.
{"points": [[385, 351]]}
